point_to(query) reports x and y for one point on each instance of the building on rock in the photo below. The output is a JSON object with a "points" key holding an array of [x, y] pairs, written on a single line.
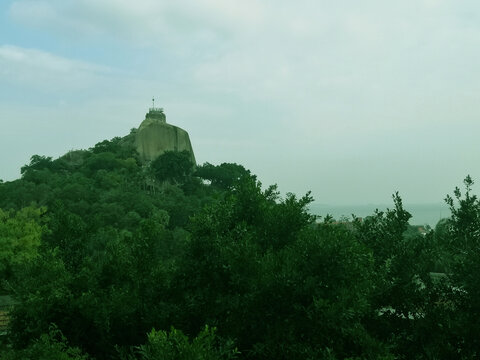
{"points": [[155, 136]]}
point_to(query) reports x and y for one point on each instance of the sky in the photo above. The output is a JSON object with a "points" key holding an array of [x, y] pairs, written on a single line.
{"points": [[352, 100]]}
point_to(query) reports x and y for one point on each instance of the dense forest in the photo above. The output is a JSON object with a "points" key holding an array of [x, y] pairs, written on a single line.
{"points": [[105, 257]]}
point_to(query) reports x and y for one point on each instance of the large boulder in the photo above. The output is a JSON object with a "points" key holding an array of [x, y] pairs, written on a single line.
{"points": [[155, 136]]}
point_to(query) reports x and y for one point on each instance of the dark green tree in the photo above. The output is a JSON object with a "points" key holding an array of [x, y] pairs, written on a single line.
{"points": [[50, 346], [464, 245], [174, 166], [258, 269], [37, 162], [403, 286], [175, 345], [223, 176]]}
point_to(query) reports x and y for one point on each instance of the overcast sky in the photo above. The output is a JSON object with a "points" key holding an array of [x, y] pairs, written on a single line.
{"points": [[353, 100]]}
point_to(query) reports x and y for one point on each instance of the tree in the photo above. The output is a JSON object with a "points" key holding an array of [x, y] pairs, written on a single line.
{"points": [[465, 220], [223, 176], [20, 234], [174, 345], [258, 268], [173, 166], [402, 283], [464, 245], [49, 346], [37, 162]]}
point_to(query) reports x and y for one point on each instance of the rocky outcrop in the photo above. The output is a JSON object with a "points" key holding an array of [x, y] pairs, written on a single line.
{"points": [[155, 136]]}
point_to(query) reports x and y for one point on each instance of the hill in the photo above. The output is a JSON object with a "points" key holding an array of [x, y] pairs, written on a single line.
{"points": [[107, 256]]}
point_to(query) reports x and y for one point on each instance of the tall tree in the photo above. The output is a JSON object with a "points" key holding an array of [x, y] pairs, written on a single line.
{"points": [[20, 235]]}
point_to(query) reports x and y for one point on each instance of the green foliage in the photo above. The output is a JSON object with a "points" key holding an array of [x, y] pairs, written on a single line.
{"points": [[383, 232], [172, 166], [283, 291], [223, 176], [43, 293], [50, 346], [113, 248], [444, 255], [465, 221], [403, 262], [20, 233], [37, 163], [103, 264], [464, 245], [174, 345], [311, 297]]}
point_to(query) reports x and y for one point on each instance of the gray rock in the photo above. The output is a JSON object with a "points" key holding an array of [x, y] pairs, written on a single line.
{"points": [[155, 136]]}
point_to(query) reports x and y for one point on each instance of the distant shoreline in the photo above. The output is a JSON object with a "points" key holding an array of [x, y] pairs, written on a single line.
{"points": [[422, 214]]}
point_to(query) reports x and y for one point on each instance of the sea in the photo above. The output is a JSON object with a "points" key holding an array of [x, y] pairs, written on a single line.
{"points": [[422, 214]]}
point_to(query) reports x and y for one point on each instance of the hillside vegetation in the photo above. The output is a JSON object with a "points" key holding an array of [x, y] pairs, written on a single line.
{"points": [[109, 258]]}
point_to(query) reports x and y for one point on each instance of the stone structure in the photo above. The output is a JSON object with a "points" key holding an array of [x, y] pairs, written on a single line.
{"points": [[155, 136]]}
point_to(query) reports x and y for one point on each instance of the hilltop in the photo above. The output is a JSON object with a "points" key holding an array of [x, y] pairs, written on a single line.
{"points": [[155, 136]]}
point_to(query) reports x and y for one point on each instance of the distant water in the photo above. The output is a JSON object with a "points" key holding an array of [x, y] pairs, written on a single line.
{"points": [[422, 214]]}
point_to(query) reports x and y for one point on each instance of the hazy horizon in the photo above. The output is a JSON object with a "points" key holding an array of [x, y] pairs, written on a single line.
{"points": [[351, 100], [422, 214]]}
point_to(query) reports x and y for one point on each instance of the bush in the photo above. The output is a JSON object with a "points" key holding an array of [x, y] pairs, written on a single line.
{"points": [[51, 346], [175, 345]]}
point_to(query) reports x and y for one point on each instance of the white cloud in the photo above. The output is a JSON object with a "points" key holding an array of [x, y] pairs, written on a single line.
{"points": [[144, 22], [41, 69], [42, 60]]}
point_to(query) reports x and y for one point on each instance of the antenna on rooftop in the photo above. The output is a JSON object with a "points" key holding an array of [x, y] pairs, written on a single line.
{"points": [[153, 109]]}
